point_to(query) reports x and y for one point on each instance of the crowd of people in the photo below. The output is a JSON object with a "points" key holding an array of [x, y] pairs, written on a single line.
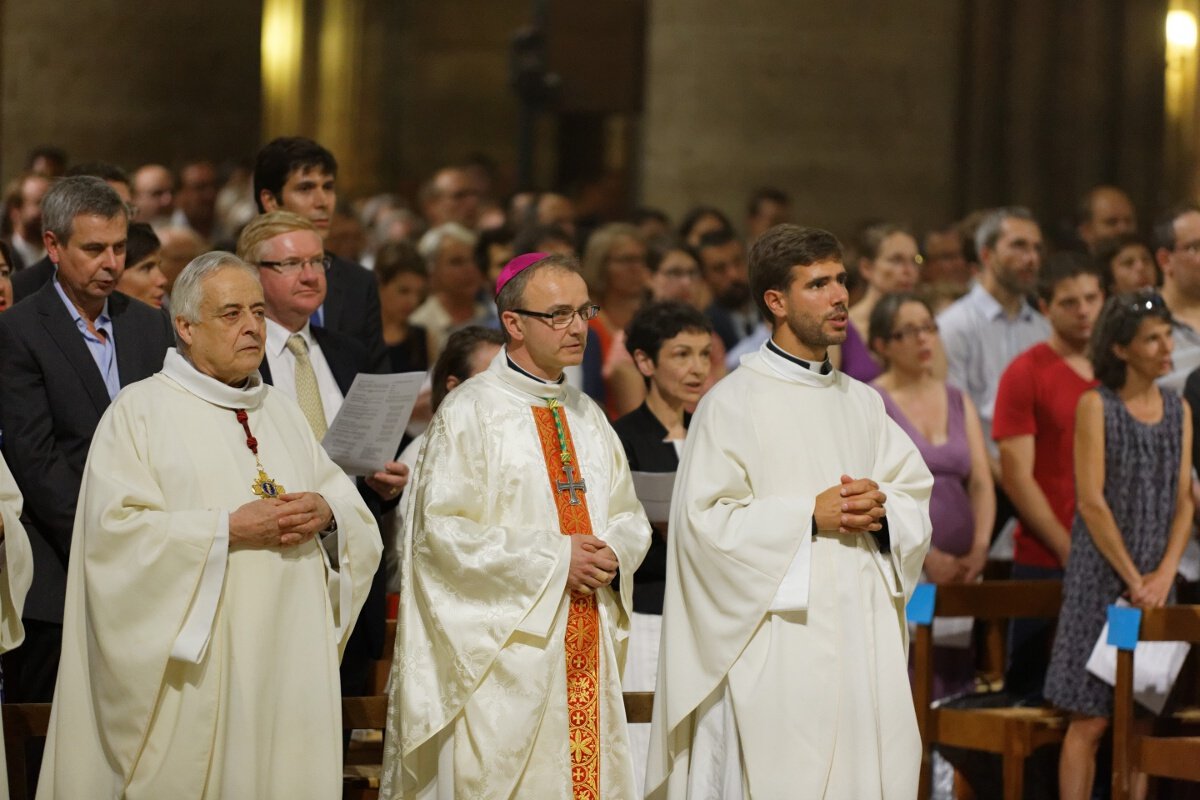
{"points": [[843, 421]]}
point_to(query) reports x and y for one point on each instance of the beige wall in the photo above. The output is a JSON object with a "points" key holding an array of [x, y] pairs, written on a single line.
{"points": [[129, 82]]}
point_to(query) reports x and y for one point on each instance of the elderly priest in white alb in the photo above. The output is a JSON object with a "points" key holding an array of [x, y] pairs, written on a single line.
{"points": [[507, 675], [798, 527], [218, 563]]}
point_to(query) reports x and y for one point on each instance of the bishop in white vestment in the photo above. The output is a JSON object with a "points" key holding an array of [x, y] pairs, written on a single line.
{"points": [[16, 573], [200, 651], [506, 679], [783, 670]]}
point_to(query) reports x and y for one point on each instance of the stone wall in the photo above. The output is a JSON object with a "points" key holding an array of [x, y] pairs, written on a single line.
{"points": [[129, 82]]}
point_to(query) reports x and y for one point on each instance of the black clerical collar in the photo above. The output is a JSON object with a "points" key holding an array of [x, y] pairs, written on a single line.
{"points": [[821, 368], [513, 365]]}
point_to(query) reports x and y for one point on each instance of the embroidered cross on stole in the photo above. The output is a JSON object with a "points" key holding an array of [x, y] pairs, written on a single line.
{"points": [[582, 642]]}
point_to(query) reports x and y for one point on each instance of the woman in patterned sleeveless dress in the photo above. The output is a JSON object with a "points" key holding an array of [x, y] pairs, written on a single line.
{"points": [[1133, 518]]}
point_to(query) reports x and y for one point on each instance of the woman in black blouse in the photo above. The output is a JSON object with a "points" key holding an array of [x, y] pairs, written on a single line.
{"points": [[671, 344]]}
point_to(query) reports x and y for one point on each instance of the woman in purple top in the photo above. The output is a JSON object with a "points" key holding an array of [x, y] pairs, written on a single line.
{"points": [[945, 427], [889, 262]]}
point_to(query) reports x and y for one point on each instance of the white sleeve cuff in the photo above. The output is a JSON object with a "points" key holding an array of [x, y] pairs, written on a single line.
{"points": [[540, 618], [192, 642], [792, 594]]}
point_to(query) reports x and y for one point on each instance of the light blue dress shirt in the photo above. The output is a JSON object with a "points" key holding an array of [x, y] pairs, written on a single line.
{"points": [[103, 348]]}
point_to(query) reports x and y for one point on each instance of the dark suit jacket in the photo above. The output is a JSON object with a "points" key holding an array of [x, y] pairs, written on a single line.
{"points": [[346, 358], [352, 308], [29, 280], [51, 398], [642, 436]]}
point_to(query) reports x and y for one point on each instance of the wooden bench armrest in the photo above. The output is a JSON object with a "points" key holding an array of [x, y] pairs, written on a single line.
{"points": [[995, 600]]}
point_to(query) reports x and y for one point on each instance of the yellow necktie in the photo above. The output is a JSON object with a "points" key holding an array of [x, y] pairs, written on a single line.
{"points": [[308, 394]]}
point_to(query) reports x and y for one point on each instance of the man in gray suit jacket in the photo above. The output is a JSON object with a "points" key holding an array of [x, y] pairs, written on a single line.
{"points": [[65, 352]]}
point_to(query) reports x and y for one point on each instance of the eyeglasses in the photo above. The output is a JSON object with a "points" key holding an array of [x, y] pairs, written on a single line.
{"points": [[563, 317], [291, 266], [913, 331]]}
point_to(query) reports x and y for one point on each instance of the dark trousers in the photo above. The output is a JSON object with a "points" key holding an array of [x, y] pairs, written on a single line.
{"points": [[31, 670], [1029, 641]]}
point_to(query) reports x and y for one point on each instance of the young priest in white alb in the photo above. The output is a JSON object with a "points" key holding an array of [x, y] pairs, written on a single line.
{"points": [[798, 527]]}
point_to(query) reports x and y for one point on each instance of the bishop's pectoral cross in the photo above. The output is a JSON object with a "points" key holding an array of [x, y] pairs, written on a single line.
{"points": [[571, 484]]}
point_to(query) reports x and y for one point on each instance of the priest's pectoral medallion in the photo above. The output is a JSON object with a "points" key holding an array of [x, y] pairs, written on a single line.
{"points": [[266, 487]]}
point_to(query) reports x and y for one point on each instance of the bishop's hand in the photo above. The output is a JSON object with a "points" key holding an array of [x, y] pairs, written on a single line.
{"points": [[593, 564], [853, 506], [302, 516], [255, 524]]}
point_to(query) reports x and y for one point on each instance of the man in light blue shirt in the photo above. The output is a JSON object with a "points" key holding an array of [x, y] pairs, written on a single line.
{"points": [[992, 324]]}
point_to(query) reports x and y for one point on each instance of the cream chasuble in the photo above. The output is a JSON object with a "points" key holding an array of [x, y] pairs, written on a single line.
{"points": [[190, 670], [479, 687], [16, 573], [783, 668]]}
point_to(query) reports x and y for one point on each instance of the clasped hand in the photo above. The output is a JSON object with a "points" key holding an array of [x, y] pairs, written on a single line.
{"points": [[593, 564], [284, 521], [853, 506], [1152, 590]]}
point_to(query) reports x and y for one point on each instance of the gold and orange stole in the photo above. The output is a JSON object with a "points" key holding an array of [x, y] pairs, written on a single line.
{"points": [[583, 621]]}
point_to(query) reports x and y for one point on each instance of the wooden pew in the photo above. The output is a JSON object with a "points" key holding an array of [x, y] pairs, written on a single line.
{"points": [[1176, 757], [23, 722], [1011, 732]]}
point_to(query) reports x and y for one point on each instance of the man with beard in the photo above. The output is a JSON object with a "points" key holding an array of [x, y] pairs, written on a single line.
{"points": [[723, 266], [799, 524], [993, 323]]}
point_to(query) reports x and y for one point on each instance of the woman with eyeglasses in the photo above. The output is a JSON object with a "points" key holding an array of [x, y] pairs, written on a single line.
{"points": [[618, 277], [889, 262], [945, 427], [1133, 514]]}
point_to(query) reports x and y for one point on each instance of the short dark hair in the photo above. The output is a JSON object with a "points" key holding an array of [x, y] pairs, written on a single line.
{"points": [[48, 152], [1164, 226], [766, 194], [882, 323], [394, 259], [455, 359], [781, 248], [657, 249], [643, 214], [718, 238], [656, 322], [1108, 249], [140, 243], [109, 173], [1119, 321], [279, 158], [487, 239], [529, 237], [696, 213], [6, 254], [1062, 266]]}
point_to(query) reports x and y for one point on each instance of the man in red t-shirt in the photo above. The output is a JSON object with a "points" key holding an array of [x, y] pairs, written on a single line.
{"points": [[1034, 426]]}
